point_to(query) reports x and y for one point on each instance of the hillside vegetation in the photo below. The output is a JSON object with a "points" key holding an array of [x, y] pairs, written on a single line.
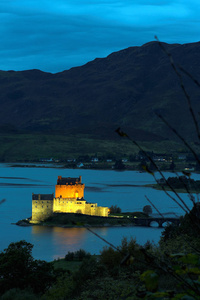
{"points": [[78, 110]]}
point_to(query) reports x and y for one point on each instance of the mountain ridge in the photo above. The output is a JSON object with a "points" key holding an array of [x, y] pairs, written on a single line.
{"points": [[123, 89]]}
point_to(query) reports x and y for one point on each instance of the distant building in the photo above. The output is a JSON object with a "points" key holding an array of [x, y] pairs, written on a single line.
{"points": [[69, 198], [182, 157], [80, 165], [95, 159], [124, 160]]}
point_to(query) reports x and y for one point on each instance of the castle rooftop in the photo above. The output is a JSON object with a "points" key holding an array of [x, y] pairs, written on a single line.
{"points": [[42, 196], [68, 180]]}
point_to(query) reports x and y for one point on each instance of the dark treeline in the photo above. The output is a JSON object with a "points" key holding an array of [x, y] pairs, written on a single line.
{"points": [[129, 271]]}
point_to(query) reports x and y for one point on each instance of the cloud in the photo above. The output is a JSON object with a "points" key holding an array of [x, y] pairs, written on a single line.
{"points": [[53, 35]]}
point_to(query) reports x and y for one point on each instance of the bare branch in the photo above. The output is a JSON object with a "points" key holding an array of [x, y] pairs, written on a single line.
{"points": [[179, 136], [154, 207], [182, 86]]}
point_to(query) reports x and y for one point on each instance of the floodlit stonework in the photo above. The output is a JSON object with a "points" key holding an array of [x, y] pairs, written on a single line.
{"points": [[69, 198]]}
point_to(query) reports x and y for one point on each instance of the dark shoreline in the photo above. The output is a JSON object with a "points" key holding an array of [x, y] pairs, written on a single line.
{"points": [[24, 223]]}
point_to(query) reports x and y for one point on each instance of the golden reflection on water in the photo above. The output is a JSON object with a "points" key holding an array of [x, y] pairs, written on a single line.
{"points": [[104, 231], [70, 239], [55, 242], [69, 235]]}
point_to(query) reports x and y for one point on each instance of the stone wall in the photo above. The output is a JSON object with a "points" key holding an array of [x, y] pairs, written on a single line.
{"points": [[69, 205], [42, 207]]}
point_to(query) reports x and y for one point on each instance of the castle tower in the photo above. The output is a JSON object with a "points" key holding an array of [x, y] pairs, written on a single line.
{"points": [[42, 207], [69, 188]]}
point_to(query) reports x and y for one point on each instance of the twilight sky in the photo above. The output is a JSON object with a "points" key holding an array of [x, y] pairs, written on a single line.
{"points": [[55, 35]]}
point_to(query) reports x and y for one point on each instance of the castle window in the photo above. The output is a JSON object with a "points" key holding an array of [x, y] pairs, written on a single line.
{"points": [[42, 206], [47, 205], [36, 205]]}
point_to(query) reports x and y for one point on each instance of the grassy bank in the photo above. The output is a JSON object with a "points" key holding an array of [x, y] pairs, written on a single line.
{"points": [[33, 147], [72, 220]]}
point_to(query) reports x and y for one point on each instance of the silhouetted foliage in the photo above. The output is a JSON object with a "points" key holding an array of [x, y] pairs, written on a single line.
{"points": [[114, 209], [69, 256], [189, 225], [18, 269], [147, 209], [152, 167], [119, 165], [77, 255], [17, 294], [172, 166], [182, 182]]}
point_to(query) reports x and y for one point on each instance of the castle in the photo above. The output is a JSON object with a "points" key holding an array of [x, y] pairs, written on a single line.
{"points": [[69, 198]]}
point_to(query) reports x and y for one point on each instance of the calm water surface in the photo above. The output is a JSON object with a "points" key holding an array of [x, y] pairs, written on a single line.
{"points": [[103, 187]]}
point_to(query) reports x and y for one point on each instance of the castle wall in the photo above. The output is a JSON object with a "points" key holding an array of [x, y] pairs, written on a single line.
{"points": [[42, 208], [87, 209], [93, 209], [90, 208], [102, 211], [69, 205], [69, 191]]}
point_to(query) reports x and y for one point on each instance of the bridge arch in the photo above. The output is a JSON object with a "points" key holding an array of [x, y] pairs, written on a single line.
{"points": [[165, 223], [153, 223], [160, 221]]}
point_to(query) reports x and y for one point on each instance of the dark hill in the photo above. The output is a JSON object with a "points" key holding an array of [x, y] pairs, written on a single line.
{"points": [[124, 89]]}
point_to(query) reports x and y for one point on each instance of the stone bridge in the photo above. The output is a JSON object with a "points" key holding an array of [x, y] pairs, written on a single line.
{"points": [[147, 221]]}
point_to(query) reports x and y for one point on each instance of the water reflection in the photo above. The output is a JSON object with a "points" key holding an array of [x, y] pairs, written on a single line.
{"points": [[70, 236], [55, 242]]}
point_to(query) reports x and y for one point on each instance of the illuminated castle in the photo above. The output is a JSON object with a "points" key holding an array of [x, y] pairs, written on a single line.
{"points": [[69, 198]]}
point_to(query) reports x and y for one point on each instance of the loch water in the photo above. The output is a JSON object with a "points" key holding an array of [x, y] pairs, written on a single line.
{"points": [[106, 188]]}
